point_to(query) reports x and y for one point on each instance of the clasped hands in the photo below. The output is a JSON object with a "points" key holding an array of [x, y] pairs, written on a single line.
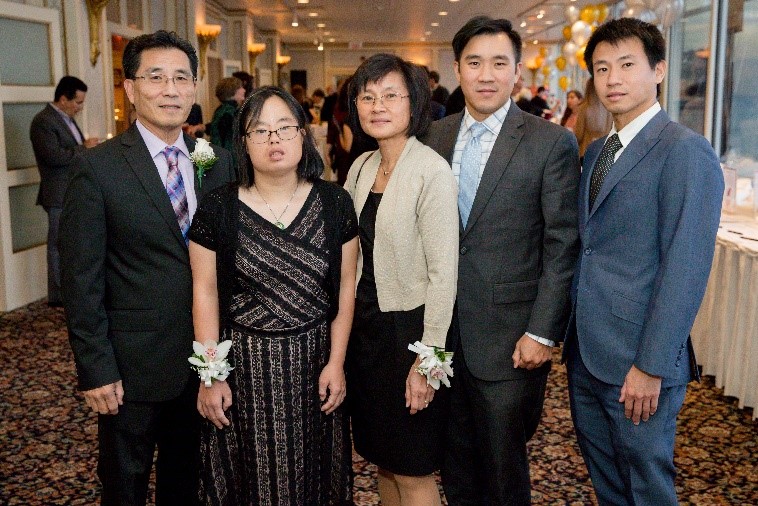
{"points": [[106, 399]]}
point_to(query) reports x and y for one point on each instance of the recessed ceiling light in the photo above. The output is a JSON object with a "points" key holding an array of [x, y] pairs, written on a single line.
{"points": [[327, 33], [332, 39], [535, 42], [303, 1], [453, 0], [523, 24], [540, 16], [321, 25], [549, 22], [427, 33], [312, 14], [442, 13], [435, 24], [294, 20], [530, 31]]}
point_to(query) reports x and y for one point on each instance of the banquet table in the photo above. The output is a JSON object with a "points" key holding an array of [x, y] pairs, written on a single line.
{"points": [[725, 333]]}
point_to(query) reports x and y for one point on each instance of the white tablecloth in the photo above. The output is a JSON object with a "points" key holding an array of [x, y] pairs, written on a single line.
{"points": [[725, 333]]}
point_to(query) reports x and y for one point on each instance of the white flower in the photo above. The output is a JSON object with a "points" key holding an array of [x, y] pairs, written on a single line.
{"points": [[209, 360], [436, 364], [203, 157]]}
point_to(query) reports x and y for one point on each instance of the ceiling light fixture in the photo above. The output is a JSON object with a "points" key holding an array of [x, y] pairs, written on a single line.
{"points": [[435, 24], [294, 20], [321, 25], [321, 46], [523, 24], [312, 14], [442, 13], [303, 1]]}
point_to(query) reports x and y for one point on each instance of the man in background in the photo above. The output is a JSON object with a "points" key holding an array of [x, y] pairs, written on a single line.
{"points": [[57, 141], [440, 94]]}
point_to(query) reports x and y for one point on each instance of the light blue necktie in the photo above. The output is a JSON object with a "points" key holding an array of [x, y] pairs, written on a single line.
{"points": [[468, 179]]}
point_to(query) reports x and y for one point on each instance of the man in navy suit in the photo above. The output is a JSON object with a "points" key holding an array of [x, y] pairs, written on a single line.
{"points": [[649, 206], [57, 141]]}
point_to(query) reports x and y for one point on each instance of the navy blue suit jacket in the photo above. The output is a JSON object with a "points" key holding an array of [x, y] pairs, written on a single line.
{"points": [[646, 252]]}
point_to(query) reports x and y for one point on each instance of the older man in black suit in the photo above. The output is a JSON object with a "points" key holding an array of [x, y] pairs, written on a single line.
{"points": [[127, 285], [57, 141], [518, 177]]}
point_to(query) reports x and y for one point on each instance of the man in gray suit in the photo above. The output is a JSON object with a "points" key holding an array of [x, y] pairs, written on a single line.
{"points": [[127, 283], [649, 208], [518, 177], [57, 141]]}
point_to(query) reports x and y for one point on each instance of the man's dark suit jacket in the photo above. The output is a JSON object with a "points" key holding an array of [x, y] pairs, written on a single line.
{"points": [[127, 285], [55, 150], [518, 251]]}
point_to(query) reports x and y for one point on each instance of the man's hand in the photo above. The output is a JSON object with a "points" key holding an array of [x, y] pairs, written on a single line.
{"points": [[530, 354], [91, 142], [106, 399], [640, 394]]}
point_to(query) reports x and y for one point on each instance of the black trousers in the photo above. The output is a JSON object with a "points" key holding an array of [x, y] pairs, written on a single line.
{"points": [[490, 423], [127, 444]]}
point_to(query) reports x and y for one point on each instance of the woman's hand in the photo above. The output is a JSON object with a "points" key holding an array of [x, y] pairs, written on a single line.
{"points": [[331, 382], [418, 394], [213, 401]]}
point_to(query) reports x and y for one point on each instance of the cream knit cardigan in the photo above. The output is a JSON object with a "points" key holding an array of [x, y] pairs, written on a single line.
{"points": [[416, 243]]}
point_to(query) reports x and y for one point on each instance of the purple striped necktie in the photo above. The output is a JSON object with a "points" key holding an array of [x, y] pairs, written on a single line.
{"points": [[176, 191]]}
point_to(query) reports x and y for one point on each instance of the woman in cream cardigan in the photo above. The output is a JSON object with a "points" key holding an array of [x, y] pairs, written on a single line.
{"points": [[406, 198]]}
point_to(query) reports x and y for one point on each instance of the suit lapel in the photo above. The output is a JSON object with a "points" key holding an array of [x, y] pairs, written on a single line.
{"points": [[55, 115], [642, 143], [502, 152], [447, 140], [190, 142], [138, 158]]}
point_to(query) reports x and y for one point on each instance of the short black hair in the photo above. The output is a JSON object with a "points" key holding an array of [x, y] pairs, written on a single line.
{"points": [[434, 76], [68, 86], [310, 167], [616, 30], [378, 66], [485, 25], [159, 40]]}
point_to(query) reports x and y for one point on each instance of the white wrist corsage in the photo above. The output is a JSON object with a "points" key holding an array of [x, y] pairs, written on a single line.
{"points": [[209, 360], [203, 157], [436, 364]]}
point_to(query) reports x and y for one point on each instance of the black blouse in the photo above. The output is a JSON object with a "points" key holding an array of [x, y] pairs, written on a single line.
{"points": [[216, 226]]}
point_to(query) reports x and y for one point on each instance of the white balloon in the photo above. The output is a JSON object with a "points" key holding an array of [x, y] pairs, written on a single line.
{"points": [[669, 12], [580, 33], [572, 13], [569, 52]]}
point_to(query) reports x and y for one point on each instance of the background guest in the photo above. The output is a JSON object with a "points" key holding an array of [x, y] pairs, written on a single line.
{"points": [[273, 265], [248, 81], [440, 94], [405, 195], [231, 94], [573, 100], [302, 98], [57, 143], [592, 119]]}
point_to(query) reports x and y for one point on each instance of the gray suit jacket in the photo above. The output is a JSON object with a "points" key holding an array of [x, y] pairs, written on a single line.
{"points": [[518, 251], [126, 279], [647, 248], [55, 150]]}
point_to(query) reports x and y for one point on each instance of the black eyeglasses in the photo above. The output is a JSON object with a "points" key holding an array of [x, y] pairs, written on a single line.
{"points": [[263, 135]]}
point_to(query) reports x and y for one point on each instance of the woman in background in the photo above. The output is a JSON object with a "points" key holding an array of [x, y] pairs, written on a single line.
{"points": [[231, 93], [573, 99], [273, 265], [405, 195], [592, 119]]}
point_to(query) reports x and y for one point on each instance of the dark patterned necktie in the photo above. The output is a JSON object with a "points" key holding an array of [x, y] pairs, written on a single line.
{"points": [[176, 191], [603, 166]]}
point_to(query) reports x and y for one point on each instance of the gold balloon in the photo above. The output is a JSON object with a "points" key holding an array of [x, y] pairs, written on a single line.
{"points": [[546, 70], [580, 58], [588, 14], [564, 82], [567, 33], [540, 60], [602, 12], [560, 63], [543, 51]]}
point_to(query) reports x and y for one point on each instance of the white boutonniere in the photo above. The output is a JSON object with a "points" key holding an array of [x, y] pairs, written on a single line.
{"points": [[436, 364], [209, 360], [203, 157]]}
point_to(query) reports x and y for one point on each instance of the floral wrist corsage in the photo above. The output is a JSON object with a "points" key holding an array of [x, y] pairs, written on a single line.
{"points": [[436, 364], [209, 360], [203, 157]]}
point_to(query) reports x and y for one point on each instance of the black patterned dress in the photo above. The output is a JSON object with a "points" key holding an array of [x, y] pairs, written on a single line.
{"points": [[280, 448]]}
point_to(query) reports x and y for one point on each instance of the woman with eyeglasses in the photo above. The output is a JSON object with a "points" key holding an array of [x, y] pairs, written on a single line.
{"points": [[406, 198], [273, 262]]}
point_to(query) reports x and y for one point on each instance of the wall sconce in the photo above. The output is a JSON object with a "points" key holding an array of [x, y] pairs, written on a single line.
{"points": [[205, 35], [282, 60], [95, 11], [253, 50]]}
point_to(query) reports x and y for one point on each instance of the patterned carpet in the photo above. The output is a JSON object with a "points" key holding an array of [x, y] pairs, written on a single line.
{"points": [[48, 438]]}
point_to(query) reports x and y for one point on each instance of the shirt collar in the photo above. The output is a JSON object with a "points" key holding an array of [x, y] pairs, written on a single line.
{"points": [[68, 119], [630, 131], [493, 122], [156, 145]]}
